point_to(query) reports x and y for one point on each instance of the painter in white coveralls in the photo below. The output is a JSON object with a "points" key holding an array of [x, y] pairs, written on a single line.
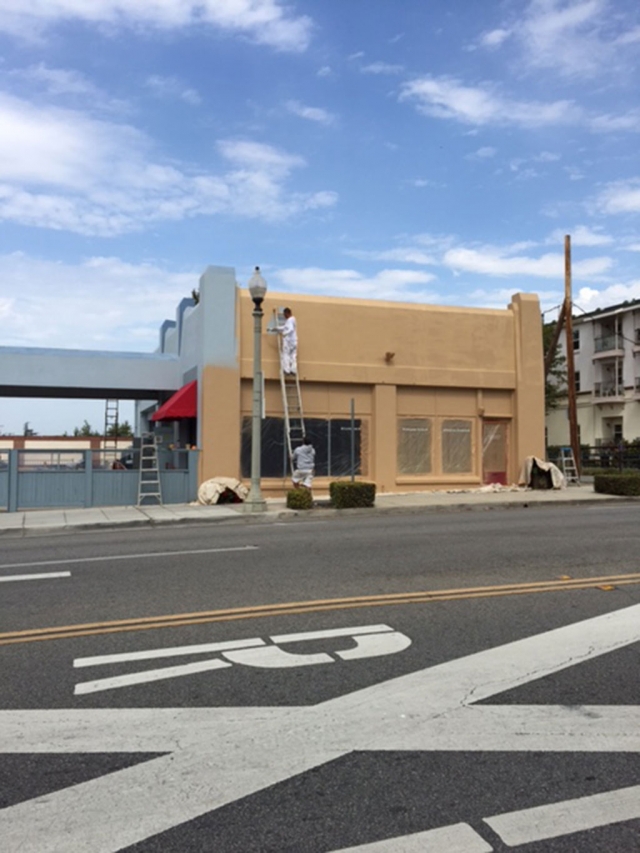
{"points": [[289, 334], [304, 463]]}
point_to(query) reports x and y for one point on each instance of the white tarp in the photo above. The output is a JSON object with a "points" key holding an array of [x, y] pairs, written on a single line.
{"points": [[558, 480], [211, 490]]}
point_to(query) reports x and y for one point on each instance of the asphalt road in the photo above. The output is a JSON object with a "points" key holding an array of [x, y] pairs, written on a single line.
{"points": [[448, 681]]}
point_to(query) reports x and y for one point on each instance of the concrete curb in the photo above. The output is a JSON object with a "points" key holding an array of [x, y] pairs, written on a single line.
{"points": [[283, 514]]}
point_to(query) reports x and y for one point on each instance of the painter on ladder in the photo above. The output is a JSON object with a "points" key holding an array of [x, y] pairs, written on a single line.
{"points": [[303, 461], [289, 343]]}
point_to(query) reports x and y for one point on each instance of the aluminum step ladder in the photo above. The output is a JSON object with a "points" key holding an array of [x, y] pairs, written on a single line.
{"points": [[291, 401], [568, 466], [149, 474]]}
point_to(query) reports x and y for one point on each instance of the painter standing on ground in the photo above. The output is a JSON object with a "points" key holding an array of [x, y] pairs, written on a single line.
{"points": [[304, 463], [289, 334]]}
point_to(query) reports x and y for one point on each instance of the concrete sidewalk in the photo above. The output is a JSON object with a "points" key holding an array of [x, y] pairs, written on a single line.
{"points": [[36, 521]]}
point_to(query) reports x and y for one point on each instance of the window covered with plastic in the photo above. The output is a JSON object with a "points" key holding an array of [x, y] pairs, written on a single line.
{"points": [[457, 447], [414, 446], [331, 439]]}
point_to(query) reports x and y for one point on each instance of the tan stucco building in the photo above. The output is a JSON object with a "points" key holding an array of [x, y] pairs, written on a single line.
{"points": [[443, 397]]}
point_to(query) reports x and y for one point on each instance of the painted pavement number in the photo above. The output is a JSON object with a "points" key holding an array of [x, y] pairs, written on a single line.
{"points": [[371, 641], [217, 756]]}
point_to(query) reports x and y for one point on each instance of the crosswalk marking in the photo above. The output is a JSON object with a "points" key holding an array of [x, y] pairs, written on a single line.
{"points": [[218, 756], [457, 838], [554, 819]]}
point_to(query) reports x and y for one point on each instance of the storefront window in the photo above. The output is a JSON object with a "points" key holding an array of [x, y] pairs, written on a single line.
{"points": [[414, 446], [457, 456], [330, 439]]}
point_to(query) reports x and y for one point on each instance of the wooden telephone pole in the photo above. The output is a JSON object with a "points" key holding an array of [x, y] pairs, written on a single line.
{"points": [[571, 372]]}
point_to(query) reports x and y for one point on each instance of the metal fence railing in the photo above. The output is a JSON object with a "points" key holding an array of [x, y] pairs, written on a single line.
{"points": [[611, 457], [31, 479]]}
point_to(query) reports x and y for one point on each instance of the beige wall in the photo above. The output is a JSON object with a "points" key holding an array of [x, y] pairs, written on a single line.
{"points": [[473, 364]]}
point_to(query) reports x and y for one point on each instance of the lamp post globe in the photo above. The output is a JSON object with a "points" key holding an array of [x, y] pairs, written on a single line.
{"points": [[257, 289]]}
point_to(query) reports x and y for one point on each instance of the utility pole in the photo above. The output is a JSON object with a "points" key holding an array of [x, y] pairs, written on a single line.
{"points": [[571, 372]]}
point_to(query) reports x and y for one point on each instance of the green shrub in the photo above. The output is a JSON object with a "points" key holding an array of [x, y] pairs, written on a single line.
{"points": [[617, 484], [299, 499], [345, 495]]}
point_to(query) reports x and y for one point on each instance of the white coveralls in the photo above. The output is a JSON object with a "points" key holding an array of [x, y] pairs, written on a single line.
{"points": [[289, 345], [304, 462]]}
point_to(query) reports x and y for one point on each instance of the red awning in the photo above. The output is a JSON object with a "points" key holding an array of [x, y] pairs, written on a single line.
{"points": [[183, 404]]}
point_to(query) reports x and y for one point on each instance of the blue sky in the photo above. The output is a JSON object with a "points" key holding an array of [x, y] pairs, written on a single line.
{"points": [[417, 151]]}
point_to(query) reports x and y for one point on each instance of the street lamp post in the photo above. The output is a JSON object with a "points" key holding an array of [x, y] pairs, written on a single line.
{"points": [[257, 288]]}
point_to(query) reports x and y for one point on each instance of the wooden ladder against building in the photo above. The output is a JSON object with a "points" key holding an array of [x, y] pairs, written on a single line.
{"points": [[149, 474], [291, 404], [568, 465], [111, 424]]}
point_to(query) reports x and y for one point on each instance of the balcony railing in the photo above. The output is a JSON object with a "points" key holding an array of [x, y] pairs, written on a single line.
{"points": [[609, 389], [608, 342]]}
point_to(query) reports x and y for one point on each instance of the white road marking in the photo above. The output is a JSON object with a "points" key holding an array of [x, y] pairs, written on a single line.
{"points": [[330, 632], [376, 645], [250, 652], [175, 651], [148, 555], [148, 675], [221, 755], [272, 657], [550, 821], [457, 838], [34, 577]]}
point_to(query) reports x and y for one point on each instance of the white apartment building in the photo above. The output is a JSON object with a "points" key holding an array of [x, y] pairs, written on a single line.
{"points": [[606, 348]]}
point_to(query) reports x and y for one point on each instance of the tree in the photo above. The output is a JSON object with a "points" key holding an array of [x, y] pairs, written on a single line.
{"points": [[555, 385], [122, 430], [85, 430]]}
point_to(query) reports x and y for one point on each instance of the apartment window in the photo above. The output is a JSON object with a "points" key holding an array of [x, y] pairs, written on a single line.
{"points": [[414, 446], [577, 378], [576, 339], [457, 447]]}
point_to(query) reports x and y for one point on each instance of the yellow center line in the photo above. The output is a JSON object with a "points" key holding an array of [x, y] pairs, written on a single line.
{"points": [[292, 608]]}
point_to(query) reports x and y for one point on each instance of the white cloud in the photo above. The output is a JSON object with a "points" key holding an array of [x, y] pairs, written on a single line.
{"points": [[171, 87], [446, 97], [577, 38], [494, 38], [607, 123], [574, 173], [404, 255], [316, 114], [546, 157], [62, 169], [382, 68], [57, 81], [498, 262], [581, 235], [484, 153], [266, 22], [590, 298], [100, 303], [392, 284], [484, 104], [325, 71], [619, 197]]}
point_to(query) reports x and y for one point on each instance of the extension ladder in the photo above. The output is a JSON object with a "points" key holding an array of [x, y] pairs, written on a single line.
{"points": [[111, 423], [291, 402], [149, 474], [568, 465]]}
